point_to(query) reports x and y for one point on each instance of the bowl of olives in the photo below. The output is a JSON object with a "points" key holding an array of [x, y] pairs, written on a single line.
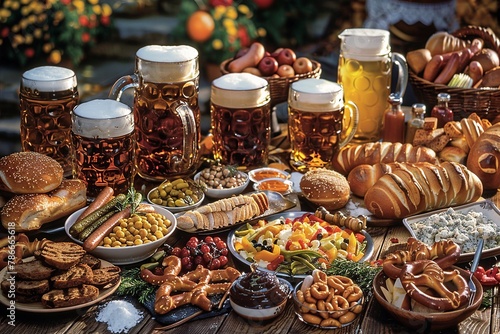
{"points": [[177, 195]]}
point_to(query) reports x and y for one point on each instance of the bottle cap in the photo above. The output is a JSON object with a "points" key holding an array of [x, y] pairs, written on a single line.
{"points": [[418, 108], [445, 97]]}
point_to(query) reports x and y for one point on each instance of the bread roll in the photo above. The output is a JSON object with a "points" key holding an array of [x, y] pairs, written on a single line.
{"points": [[416, 189], [326, 188], [484, 157], [28, 212], [371, 153], [29, 173], [452, 153]]}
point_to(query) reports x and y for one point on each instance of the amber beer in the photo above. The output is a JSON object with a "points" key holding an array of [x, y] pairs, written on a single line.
{"points": [[103, 142], [317, 123], [47, 96], [241, 119], [166, 110]]}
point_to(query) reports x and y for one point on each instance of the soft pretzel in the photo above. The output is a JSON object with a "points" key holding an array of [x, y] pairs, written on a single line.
{"points": [[444, 252], [194, 287], [427, 273], [22, 248]]}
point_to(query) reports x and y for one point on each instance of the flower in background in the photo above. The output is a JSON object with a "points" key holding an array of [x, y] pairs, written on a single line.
{"points": [[51, 29], [218, 28]]}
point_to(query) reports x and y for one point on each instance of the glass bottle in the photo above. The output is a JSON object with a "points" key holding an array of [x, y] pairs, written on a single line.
{"points": [[416, 121], [394, 120], [441, 111]]}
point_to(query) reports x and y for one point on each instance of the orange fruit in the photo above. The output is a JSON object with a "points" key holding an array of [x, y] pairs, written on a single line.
{"points": [[200, 26]]}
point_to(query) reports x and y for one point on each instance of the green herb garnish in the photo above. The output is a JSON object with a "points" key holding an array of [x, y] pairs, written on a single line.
{"points": [[362, 273], [133, 285]]}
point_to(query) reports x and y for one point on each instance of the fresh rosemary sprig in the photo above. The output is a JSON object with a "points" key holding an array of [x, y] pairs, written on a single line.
{"points": [[133, 285], [362, 273]]}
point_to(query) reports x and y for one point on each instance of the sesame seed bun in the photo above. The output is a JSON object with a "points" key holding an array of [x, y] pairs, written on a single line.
{"points": [[326, 188], [29, 173]]}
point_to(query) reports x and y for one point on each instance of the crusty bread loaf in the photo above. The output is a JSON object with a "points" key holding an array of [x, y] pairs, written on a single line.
{"points": [[326, 188], [415, 189], [371, 153], [70, 297], [363, 177], [62, 255], [30, 211], [484, 157], [29, 173], [224, 212]]}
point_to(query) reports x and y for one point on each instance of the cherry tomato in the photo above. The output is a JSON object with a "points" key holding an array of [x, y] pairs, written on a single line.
{"points": [[207, 257], [198, 260], [224, 251], [185, 261], [273, 265], [185, 252], [205, 248], [220, 244], [216, 239], [214, 264], [223, 260], [176, 251], [209, 239]]}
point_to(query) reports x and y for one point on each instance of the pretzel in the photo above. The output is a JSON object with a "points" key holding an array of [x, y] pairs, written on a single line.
{"points": [[22, 248], [427, 273], [444, 252], [172, 268], [195, 286]]}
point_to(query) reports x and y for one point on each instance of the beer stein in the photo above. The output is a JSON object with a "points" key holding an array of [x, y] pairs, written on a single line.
{"points": [[240, 108], [103, 145], [319, 122], [364, 71], [166, 111], [47, 95]]}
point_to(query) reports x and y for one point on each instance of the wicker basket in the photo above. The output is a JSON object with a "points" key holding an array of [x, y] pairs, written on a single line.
{"points": [[279, 86], [483, 101]]}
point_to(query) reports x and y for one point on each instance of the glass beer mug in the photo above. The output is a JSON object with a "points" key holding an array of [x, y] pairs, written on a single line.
{"points": [[47, 95], [166, 111], [319, 122], [364, 71], [103, 145], [240, 107]]}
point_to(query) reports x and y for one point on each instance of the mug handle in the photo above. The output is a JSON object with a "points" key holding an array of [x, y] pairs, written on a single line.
{"points": [[190, 137], [402, 82], [122, 84], [349, 124]]}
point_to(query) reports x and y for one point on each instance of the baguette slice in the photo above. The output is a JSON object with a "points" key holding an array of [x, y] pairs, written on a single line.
{"points": [[70, 297], [77, 275], [62, 255]]}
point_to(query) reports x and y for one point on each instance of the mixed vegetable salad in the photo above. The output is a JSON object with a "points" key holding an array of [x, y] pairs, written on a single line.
{"points": [[297, 246]]}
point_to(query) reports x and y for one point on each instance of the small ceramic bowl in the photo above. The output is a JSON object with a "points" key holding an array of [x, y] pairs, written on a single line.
{"points": [[259, 296], [277, 184], [325, 319], [194, 187], [128, 254], [225, 192], [423, 321], [263, 173]]}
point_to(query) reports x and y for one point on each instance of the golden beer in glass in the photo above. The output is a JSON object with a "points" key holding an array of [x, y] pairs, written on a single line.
{"points": [[240, 109], [319, 123], [365, 72], [103, 143], [166, 111], [46, 97]]}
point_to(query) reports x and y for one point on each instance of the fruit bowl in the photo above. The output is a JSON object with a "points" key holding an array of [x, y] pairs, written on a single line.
{"points": [[422, 321]]}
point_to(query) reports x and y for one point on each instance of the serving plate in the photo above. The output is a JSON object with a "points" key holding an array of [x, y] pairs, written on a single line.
{"points": [[39, 308], [292, 215], [277, 204], [486, 207]]}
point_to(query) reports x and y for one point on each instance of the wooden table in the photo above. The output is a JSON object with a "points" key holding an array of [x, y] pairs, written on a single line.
{"points": [[375, 320]]}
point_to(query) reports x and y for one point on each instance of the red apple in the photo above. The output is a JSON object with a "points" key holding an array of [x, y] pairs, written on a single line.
{"points": [[276, 53], [268, 66], [302, 65], [286, 57], [285, 71]]}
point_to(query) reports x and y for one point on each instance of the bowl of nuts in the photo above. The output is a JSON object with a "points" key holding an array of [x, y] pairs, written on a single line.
{"points": [[177, 195], [221, 181]]}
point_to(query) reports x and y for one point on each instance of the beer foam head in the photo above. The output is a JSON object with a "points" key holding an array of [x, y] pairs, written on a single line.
{"points": [[365, 44], [316, 95], [49, 79], [240, 90], [167, 63], [102, 119]]}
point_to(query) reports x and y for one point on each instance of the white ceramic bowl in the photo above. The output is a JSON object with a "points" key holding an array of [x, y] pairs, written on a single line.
{"points": [[175, 209], [259, 174], [128, 254], [223, 193]]}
